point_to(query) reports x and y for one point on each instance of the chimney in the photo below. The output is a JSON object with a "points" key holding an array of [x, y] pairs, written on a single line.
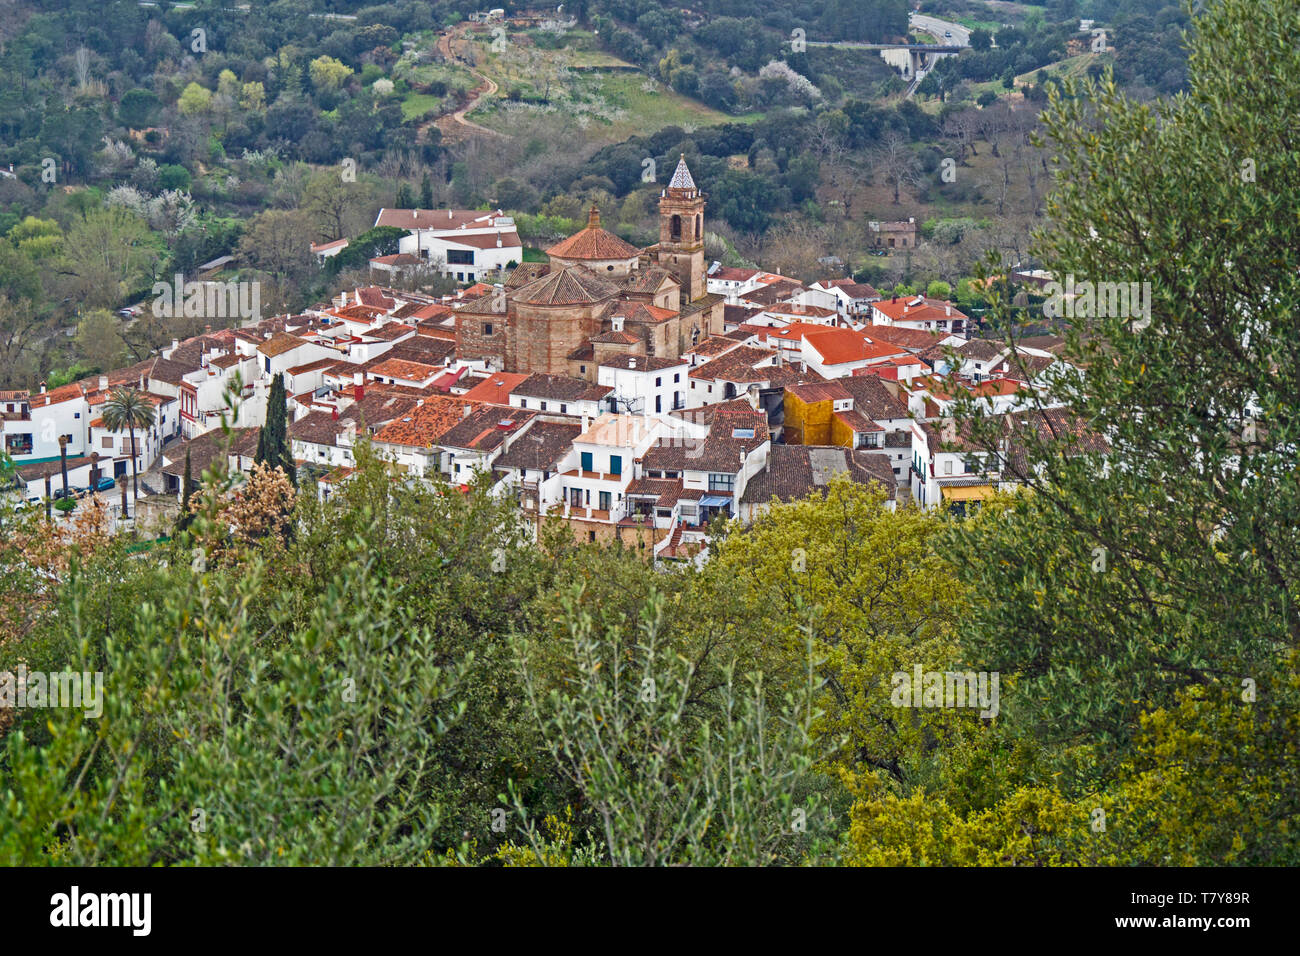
{"points": [[142, 381], [586, 421], [947, 310], [42, 388], [358, 385], [449, 216], [631, 362], [593, 217], [334, 413], [207, 330], [176, 343], [103, 383], [464, 412], [498, 240]]}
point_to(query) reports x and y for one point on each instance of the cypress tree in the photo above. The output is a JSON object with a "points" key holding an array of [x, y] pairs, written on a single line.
{"points": [[273, 439]]}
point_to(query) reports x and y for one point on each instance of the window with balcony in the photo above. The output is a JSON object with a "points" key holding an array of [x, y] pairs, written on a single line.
{"points": [[586, 461], [616, 464]]}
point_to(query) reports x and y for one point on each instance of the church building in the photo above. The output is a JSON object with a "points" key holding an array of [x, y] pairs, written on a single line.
{"points": [[599, 299]]}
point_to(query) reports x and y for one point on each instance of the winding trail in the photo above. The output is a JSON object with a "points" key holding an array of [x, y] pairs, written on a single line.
{"points": [[455, 126]]}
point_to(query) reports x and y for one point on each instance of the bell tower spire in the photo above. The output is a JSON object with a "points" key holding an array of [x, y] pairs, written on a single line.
{"points": [[681, 232]]}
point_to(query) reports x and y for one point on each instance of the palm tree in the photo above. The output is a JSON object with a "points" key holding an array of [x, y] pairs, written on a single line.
{"points": [[129, 408]]}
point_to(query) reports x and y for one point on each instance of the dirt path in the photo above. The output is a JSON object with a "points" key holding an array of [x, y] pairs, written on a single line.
{"points": [[454, 126]]}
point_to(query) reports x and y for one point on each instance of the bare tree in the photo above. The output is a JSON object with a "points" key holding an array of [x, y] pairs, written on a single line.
{"points": [[897, 164]]}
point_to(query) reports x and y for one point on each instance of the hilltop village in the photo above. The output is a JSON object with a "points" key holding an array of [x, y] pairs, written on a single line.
{"points": [[633, 393]]}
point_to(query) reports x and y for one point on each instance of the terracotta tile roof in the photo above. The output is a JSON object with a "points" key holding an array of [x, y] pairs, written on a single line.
{"points": [[379, 407], [593, 243], [541, 448], [643, 313], [496, 388], [279, 343], [299, 369], [320, 427], [872, 397], [726, 274], [918, 309], [796, 471], [575, 285], [648, 280], [423, 348], [738, 365], [488, 304], [914, 340], [858, 422], [666, 491], [432, 310], [981, 350], [617, 337], [1025, 367], [774, 293], [204, 450], [738, 314], [800, 311], [424, 425], [388, 332], [854, 290], [838, 346], [713, 346], [719, 451], [642, 363], [559, 388], [525, 273], [409, 371], [376, 298], [436, 218], [501, 239], [486, 428]]}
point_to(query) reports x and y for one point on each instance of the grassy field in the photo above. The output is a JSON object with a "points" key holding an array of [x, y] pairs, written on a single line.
{"points": [[604, 104], [417, 104]]}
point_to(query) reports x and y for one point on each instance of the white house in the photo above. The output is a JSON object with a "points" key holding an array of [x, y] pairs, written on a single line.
{"points": [[644, 385], [466, 244]]}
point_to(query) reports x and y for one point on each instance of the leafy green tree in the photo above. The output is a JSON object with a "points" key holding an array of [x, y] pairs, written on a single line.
{"points": [[1162, 518], [666, 788], [106, 256]]}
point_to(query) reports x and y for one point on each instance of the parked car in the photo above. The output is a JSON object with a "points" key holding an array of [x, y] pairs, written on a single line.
{"points": [[72, 491], [105, 483], [947, 34]]}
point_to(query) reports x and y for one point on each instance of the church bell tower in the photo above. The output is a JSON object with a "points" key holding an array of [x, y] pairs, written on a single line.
{"points": [[681, 233]]}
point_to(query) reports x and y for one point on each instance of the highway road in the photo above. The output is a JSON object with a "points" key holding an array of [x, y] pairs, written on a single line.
{"points": [[937, 27]]}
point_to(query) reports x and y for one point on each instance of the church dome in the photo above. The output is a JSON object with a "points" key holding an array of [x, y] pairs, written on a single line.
{"points": [[593, 244]]}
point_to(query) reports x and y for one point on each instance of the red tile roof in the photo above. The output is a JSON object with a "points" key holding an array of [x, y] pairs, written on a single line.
{"points": [[593, 243], [424, 425], [496, 388]]}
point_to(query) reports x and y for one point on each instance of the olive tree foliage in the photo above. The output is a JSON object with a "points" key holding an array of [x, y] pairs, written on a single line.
{"points": [[224, 742], [1158, 552], [666, 787]]}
